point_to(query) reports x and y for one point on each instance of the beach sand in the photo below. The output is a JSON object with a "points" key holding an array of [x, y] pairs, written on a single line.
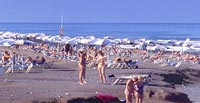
{"points": [[61, 83]]}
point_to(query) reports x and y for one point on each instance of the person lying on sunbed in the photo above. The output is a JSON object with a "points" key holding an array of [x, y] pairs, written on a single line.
{"points": [[41, 61], [29, 60], [129, 62], [156, 56], [196, 59]]}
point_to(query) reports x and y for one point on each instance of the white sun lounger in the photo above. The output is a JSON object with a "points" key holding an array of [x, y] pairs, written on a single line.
{"points": [[119, 80]]}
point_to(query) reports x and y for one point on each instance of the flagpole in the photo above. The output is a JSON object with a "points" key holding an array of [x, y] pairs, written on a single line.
{"points": [[61, 26]]}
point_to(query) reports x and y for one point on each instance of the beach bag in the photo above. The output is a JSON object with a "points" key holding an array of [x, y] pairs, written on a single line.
{"points": [[107, 98]]}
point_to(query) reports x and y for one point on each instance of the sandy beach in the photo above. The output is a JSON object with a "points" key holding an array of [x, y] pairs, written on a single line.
{"points": [[61, 83]]}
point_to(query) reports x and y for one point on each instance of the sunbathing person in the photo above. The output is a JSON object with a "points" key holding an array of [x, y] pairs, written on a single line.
{"points": [[196, 59], [118, 60], [187, 57], [171, 63], [30, 60], [129, 62], [41, 61], [6, 56], [156, 56]]}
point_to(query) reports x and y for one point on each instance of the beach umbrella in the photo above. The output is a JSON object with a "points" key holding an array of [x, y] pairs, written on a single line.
{"points": [[21, 36], [108, 37], [157, 47], [34, 35], [79, 37], [101, 42], [39, 37], [24, 42], [191, 50], [72, 41], [127, 40], [6, 42], [45, 38], [90, 37], [85, 41], [195, 46], [7, 34], [150, 42], [118, 41], [1, 32]]}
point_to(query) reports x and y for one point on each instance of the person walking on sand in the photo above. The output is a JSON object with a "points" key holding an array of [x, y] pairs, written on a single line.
{"points": [[82, 66], [101, 66], [129, 90], [139, 89]]}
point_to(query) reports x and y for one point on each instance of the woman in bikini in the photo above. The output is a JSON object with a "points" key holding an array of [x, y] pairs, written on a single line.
{"points": [[101, 66], [82, 66]]}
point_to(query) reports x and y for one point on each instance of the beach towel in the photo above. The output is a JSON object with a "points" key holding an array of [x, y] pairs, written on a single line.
{"points": [[107, 98]]}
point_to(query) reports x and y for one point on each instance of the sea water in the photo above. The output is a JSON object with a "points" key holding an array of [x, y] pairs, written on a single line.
{"points": [[178, 31]]}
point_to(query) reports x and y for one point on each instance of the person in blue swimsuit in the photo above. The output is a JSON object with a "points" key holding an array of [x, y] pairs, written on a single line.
{"points": [[139, 89]]}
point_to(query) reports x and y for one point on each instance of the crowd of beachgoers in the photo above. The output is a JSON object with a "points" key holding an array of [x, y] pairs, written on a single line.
{"points": [[88, 52], [164, 52]]}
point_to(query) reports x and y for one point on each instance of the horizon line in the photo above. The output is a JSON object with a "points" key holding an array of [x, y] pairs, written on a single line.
{"points": [[108, 22]]}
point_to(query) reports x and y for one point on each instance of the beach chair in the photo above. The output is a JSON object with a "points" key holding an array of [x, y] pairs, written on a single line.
{"points": [[46, 65], [119, 80], [31, 67], [172, 63], [91, 64], [49, 65], [131, 65], [16, 68]]}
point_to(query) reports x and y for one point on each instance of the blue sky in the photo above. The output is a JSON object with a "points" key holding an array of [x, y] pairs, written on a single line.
{"points": [[101, 11]]}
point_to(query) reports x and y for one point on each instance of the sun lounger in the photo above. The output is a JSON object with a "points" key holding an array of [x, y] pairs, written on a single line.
{"points": [[31, 67], [172, 63], [16, 68], [120, 79]]}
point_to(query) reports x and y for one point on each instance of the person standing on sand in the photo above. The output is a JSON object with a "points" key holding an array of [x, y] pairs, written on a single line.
{"points": [[139, 89], [101, 66], [82, 66], [129, 90]]}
